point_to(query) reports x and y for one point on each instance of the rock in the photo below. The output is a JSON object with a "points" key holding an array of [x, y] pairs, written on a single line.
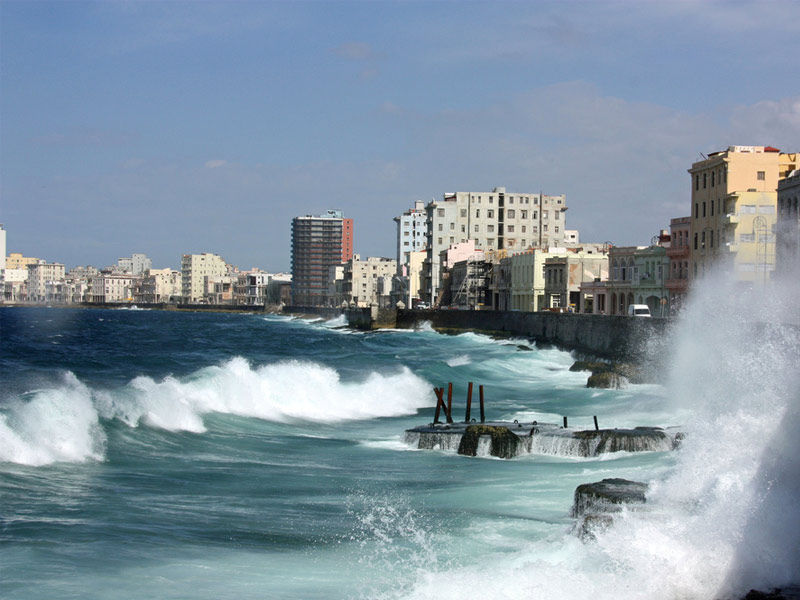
{"points": [[607, 496], [504, 443], [789, 593], [596, 502], [524, 347], [586, 365], [606, 380], [639, 439]]}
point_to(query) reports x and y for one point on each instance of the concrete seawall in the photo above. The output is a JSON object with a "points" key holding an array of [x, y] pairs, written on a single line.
{"points": [[611, 337]]}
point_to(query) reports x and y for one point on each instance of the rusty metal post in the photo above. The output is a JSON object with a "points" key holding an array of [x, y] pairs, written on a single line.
{"points": [[450, 402], [439, 403], [480, 391], [469, 402], [565, 422], [596, 428]]}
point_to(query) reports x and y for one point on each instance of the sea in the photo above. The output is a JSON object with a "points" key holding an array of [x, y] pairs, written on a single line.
{"points": [[166, 454]]}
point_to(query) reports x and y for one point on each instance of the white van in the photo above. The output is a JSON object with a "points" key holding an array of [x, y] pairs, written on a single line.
{"points": [[638, 310]]}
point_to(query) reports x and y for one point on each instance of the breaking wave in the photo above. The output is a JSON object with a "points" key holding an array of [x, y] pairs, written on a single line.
{"points": [[64, 424]]}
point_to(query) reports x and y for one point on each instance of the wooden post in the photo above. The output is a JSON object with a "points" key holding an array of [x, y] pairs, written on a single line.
{"points": [[450, 402], [469, 402], [565, 422], [596, 428], [480, 391], [439, 403]]}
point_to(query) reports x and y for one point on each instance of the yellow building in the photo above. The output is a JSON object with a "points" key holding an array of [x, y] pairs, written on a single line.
{"points": [[15, 260], [734, 208]]}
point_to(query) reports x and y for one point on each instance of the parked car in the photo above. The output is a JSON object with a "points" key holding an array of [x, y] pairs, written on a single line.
{"points": [[638, 310]]}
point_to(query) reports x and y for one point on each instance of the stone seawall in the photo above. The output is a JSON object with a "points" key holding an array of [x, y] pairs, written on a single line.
{"points": [[610, 337]]}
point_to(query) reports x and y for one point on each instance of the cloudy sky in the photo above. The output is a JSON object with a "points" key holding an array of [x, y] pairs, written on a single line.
{"points": [[174, 127]]}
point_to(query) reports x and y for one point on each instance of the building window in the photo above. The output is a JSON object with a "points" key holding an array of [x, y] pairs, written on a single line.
{"points": [[697, 182], [712, 208], [713, 177], [523, 229], [477, 213], [524, 214], [463, 212], [510, 213], [510, 228], [476, 229], [695, 241], [704, 209], [490, 214], [490, 228], [440, 226], [452, 226], [761, 175], [440, 212], [704, 180], [696, 210]]}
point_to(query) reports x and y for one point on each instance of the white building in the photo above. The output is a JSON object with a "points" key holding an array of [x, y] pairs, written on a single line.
{"points": [[111, 287], [362, 280], [496, 220], [195, 270], [2, 250], [787, 229], [411, 232], [159, 286], [38, 276]]}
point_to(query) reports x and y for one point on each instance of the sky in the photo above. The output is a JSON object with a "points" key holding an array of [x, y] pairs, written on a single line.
{"points": [[184, 127]]}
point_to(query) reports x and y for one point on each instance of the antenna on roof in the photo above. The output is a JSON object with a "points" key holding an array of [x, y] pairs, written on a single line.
{"points": [[703, 155]]}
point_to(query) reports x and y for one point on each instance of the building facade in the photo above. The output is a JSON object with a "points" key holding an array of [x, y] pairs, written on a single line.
{"points": [[787, 229], [563, 276], [366, 282], [39, 275], [679, 255], [496, 220], [196, 270], [318, 243], [734, 206], [136, 264]]}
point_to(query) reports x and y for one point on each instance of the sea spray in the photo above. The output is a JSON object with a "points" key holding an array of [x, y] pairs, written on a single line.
{"points": [[53, 425], [63, 424]]}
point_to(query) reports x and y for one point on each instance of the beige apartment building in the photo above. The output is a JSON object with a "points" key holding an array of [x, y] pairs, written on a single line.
{"points": [[734, 210], [563, 276], [496, 220], [15, 260], [787, 228], [366, 282], [196, 269], [39, 275]]}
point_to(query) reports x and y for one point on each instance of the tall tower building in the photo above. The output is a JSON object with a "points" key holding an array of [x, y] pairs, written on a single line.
{"points": [[734, 210], [318, 243], [2, 249]]}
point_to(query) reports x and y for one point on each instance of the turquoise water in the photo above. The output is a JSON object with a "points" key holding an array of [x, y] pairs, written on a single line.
{"points": [[149, 454]]}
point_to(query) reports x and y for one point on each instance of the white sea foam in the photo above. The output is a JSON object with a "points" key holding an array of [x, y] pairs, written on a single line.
{"points": [[340, 321], [54, 425], [458, 361], [62, 424]]}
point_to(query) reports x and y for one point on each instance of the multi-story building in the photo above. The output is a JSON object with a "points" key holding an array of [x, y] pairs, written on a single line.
{"points": [[679, 257], [15, 260], [196, 269], [136, 264], [2, 250], [496, 220], [470, 283], [563, 276], [110, 287], [411, 232], [159, 286], [38, 276], [318, 243], [734, 201], [787, 229], [15, 285], [365, 282]]}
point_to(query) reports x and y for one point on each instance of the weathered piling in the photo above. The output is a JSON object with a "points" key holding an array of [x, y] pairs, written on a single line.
{"points": [[483, 416], [450, 402], [469, 402], [596, 428]]}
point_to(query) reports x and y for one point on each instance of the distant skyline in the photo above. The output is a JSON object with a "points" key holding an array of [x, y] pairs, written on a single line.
{"points": [[186, 127]]}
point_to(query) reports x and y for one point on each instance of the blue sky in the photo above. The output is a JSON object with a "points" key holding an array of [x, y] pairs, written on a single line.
{"points": [[174, 127]]}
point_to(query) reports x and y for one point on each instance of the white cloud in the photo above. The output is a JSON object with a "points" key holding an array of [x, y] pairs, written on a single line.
{"points": [[215, 164], [354, 51]]}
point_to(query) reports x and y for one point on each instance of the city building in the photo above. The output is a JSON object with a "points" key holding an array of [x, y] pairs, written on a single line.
{"points": [[366, 282], [159, 286], [196, 269], [787, 229], [679, 255], [39, 274], [496, 220], [15, 260], [2, 250], [734, 202], [411, 238], [564, 274], [470, 283], [109, 287], [136, 264], [318, 243]]}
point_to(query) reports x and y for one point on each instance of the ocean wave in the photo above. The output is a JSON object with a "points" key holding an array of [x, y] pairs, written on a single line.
{"points": [[64, 424]]}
